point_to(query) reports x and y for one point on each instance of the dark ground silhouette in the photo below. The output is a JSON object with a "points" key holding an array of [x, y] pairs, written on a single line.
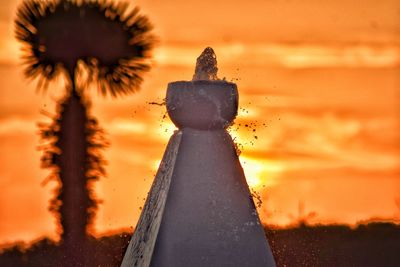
{"points": [[374, 244]]}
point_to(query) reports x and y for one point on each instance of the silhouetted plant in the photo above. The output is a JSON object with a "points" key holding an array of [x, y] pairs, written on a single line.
{"points": [[87, 42], [302, 218], [113, 44]]}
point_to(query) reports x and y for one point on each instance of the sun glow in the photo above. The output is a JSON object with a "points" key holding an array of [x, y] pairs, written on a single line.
{"points": [[260, 173]]}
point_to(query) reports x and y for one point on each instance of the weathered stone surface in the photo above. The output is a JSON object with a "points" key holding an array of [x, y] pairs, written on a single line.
{"points": [[200, 211], [204, 105], [141, 246], [209, 217]]}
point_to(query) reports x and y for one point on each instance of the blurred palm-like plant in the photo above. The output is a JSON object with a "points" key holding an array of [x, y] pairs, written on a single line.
{"points": [[87, 42]]}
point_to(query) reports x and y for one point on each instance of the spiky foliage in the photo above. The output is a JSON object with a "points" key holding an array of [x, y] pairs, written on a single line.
{"points": [[111, 42], [82, 143], [91, 42], [72, 149]]}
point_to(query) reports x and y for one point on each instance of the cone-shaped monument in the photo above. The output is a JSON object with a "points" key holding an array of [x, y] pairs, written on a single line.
{"points": [[199, 211]]}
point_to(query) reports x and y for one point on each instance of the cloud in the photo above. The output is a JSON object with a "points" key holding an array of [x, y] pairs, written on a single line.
{"points": [[288, 55], [11, 126]]}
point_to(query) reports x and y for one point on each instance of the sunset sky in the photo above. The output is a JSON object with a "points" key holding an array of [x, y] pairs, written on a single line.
{"points": [[319, 82]]}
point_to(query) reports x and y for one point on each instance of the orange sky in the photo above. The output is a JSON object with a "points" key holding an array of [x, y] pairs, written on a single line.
{"points": [[319, 80]]}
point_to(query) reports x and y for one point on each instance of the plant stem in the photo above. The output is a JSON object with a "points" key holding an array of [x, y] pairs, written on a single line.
{"points": [[74, 194]]}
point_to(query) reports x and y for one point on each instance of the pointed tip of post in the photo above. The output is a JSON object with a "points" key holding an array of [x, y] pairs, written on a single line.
{"points": [[206, 66]]}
